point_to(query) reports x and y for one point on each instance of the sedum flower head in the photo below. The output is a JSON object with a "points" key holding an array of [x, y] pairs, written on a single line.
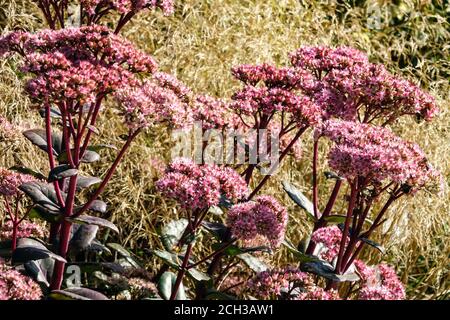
{"points": [[262, 217], [272, 283], [377, 154], [269, 89], [214, 113], [349, 87], [77, 64], [288, 283], [379, 283], [153, 102], [330, 238], [141, 288], [201, 186], [26, 229], [10, 181], [15, 286]]}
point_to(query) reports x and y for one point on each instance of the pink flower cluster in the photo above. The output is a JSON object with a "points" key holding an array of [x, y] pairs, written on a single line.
{"points": [[264, 217], [330, 238], [10, 181], [141, 288], [280, 93], [377, 154], [170, 82], [318, 293], [288, 283], [155, 101], [348, 86], [379, 283], [77, 63], [272, 283], [272, 76], [321, 60], [233, 284], [15, 286], [126, 6], [213, 113], [26, 229], [198, 187]]}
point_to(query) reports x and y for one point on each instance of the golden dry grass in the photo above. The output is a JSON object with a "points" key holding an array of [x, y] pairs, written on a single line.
{"points": [[205, 38]]}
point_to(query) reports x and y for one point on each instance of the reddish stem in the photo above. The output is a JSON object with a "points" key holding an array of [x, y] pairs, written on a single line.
{"points": [[351, 205], [314, 179], [283, 154], [181, 272], [15, 225], [375, 224], [322, 222], [109, 174], [58, 271], [14, 236], [220, 250]]}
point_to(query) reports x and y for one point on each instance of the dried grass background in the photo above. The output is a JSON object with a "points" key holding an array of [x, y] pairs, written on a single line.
{"points": [[205, 38]]}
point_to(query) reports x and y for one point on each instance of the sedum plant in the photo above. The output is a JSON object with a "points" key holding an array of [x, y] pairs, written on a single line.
{"points": [[72, 72], [345, 101], [79, 69]]}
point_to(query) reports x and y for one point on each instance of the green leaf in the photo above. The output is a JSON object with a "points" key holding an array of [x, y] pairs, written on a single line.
{"points": [[28, 171], [198, 275], [225, 202], [338, 218], [118, 248], [124, 253], [88, 157], [60, 172], [77, 294], [265, 249], [54, 113], [304, 244], [298, 197], [82, 237], [38, 137], [40, 270], [91, 220], [30, 249], [218, 230], [231, 250], [86, 182], [42, 213], [326, 270], [172, 232], [374, 244], [42, 194], [166, 284], [98, 247], [252, 262], [168, 257], [297, 254], [332, 175]]}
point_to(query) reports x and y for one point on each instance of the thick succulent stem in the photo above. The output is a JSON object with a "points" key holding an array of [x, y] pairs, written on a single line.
{"points": [[181, 272]]}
